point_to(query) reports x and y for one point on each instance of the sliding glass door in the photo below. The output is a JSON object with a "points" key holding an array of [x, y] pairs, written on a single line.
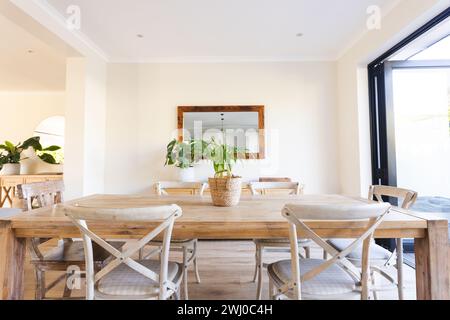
{"points": [[420, 110], [409, 91]]}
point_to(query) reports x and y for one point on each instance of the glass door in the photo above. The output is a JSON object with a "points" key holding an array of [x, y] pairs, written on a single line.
{"points": [[409, 91], [421, 124]]}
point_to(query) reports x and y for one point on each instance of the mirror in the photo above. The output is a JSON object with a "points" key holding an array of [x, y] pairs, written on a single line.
{"points": [[241, 126]]}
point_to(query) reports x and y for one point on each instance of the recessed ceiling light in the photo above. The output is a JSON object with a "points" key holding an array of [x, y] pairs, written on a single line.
{"points": [[299, 35], [140, 35]]}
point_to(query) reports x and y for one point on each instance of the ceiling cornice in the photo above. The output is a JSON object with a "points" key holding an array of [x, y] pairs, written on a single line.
{"points": [[224, 59]]}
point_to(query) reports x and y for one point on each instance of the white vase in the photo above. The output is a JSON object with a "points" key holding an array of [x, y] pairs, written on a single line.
{"points": [[10, 169], [32, 164], [187, 175]]}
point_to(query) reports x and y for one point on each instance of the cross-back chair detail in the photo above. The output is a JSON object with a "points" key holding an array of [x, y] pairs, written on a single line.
{"points": [[381, 258], [297, 215], [65, 253], [409, 197], [378, 192], [160, 187], [274, 245], [258, 188], [189, 247], [82, 216], [41, 194]]}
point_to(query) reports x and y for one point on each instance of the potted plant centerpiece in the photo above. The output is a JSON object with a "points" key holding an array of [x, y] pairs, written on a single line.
{"points": [[184, 155], [43, 160], [225, 188], [10, 155]]}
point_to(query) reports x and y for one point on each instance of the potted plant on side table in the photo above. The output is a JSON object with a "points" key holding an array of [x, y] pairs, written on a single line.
{"points": [[225, 188], [10, 155], [183, 155], [51, 159]]}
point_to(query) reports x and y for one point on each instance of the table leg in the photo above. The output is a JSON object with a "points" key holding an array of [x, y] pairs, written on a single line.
{"points": [[12, 260], [432, 270]]}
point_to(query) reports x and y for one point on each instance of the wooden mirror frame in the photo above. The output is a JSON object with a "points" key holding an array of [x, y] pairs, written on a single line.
{"points": [[258, 109]]}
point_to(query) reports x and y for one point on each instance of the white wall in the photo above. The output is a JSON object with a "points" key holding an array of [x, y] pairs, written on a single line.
{"points": [[21, 112], [74, 139], [353, 108], [84, 157], [300, 100], [95, 126]]}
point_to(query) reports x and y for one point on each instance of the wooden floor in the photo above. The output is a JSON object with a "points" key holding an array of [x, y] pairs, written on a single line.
{"points": [[226, 271]]}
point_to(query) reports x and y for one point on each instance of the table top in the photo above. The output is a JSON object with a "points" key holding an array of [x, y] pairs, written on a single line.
{"points": [[251, 209], [256, 217]]}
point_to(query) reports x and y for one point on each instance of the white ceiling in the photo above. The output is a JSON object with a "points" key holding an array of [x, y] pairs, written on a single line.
{"points": [[223, 30], [42, 70]]}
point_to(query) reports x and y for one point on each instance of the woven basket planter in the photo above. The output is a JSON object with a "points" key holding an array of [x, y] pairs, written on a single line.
{"points": [[225, 192]]}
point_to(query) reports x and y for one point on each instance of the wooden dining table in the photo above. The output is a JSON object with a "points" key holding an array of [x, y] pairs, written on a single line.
{"points": [[255, 217]]}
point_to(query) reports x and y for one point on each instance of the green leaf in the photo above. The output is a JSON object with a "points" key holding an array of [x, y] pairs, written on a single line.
{"points": [[32, 142], [169, 156], [47, 158], [171, 144], [10, 146], [52, 148]]}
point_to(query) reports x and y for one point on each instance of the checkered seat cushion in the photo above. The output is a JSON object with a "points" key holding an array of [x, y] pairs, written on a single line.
{"points": [[378, 254], [125, 281], [281, 241], [333, 281]]}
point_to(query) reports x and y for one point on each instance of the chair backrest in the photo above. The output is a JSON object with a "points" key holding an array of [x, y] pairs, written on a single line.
{"points": [[298, 215], [81, 216], [41, 194], [162, 186], [409, 196], [259, 188], [274, 179]]}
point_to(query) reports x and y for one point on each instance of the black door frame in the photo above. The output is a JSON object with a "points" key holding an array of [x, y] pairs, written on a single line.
{"points": [[382, 131], [378, 93]]}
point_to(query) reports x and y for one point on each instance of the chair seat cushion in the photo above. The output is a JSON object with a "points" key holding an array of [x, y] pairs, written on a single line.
{"points": [[73, 251], [281, 241], [125, 281], [183, 241], [332, 281], [377, 253]]}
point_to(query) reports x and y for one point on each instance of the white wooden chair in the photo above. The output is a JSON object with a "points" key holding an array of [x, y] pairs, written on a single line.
{"points": [[380, 258], [123, 277], [336, 278], [66, 253], [274, 245], [189, 247]]}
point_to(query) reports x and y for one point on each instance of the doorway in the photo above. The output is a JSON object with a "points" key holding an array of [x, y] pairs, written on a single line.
{"points": [[409, 89]]}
